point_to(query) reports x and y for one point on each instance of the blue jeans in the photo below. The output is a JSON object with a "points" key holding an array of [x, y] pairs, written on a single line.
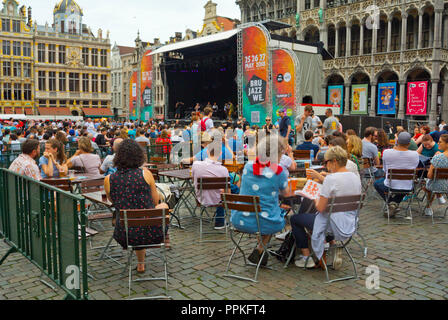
{"points": [[382, 189]]}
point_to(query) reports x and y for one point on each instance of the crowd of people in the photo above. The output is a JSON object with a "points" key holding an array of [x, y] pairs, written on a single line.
{"points": [[114, 150]]}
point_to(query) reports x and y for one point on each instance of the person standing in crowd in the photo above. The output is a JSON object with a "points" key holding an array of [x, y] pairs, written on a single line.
{"points": [[178, 110], [317, 123], [442, 125], [207, 122], [53, 163], [399, 157], [304, 123], [25, 164], [331, 124], [285, 124]]}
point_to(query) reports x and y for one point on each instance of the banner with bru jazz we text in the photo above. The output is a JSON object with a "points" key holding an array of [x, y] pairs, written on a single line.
{"points": [[255, 75]]}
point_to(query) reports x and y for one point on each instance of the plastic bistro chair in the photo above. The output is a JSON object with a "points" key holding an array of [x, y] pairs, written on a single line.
{"points": [[207, 185], [401, 175], [249, 204], [439, 174], [146, 218], [341, 204]]}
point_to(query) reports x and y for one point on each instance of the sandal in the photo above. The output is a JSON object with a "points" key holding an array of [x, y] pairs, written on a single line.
{"points": [[140, 270]]}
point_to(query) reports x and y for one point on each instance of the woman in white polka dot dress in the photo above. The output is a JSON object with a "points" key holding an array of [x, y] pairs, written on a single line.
{"points": [[266, 179]]}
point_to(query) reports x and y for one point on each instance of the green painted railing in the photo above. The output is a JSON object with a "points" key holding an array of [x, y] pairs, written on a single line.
{"points": [[48, 227]]}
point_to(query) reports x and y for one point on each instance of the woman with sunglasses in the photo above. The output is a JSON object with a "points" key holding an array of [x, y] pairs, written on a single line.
{"points": [[339, 183]]}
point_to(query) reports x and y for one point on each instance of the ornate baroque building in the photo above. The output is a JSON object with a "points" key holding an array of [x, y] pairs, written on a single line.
{"points": [[62, 69], [372, 42], [16, 60]]}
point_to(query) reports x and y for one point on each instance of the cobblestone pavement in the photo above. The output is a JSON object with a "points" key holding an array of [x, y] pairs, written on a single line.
{"points": [[413, 263]]}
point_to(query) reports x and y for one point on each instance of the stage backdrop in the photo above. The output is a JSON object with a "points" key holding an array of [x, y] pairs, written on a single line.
{"points": [[387, 92], [133, 97], [417, 98], [255, 75], [284, 83], [336, 96], [359, 98], [146, 88]]}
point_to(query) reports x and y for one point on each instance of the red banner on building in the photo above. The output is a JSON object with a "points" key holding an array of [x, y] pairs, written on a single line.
{"points": [[417, 98], [133, 97]]}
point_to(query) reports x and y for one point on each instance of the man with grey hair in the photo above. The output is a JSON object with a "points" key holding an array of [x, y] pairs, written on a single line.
{"points": [[107, 167]]}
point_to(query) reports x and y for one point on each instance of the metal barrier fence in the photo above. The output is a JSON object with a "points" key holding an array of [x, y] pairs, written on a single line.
{"points": [[48, 227], [360, 123]]}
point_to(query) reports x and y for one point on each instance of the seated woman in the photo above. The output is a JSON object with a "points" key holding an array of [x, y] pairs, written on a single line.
{"points": [[354, 148], [85, 158], [133, 188], [339, 183], [428, 148], [440, 161], [53, 163], [164, 139], [266, 179]]}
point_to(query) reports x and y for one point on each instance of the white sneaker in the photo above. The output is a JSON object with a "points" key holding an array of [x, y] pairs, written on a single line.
{"points": [[282, 236], [428, 212], [301, 263], [442, 200]]}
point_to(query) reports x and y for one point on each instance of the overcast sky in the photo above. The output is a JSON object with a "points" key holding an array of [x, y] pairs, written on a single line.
{"points": [[154, 18]]}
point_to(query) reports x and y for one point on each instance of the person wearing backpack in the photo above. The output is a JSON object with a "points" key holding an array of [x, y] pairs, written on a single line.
{"points": [[207, 122]]}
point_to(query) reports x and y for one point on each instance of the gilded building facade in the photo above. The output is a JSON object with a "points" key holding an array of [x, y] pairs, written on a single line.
{"points": [[371, 42], [16, 60], [59, 69]]}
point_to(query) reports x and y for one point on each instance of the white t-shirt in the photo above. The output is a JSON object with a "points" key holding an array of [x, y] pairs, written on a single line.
{"points": [[394, 159], [285, 163], [209, 125], [341, 184]]}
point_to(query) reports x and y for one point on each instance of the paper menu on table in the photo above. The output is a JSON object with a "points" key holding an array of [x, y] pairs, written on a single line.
{"points": [[311, 190]]}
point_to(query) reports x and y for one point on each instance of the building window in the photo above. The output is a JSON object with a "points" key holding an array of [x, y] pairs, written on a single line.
{"points": [[27, 92], [7, 91], [103, 104], [17, 92], [42, 103], [62, 80], [41, 80], [73, 82], [52, 53], [94, 104], [85, 56], [62, 54], [17, 69], [86, 104], [6, 25], [16, 48], [63, 103], [367, 47], [95, 57], [94, 83], [6, 48], [382, 37], [53, 103], [72, 27], [41, 52], [6, 69], [104, 83], [27, 70], [104, 58], [52, 81], [15, 25], [27, 49], [307, 4], [85, 83]]}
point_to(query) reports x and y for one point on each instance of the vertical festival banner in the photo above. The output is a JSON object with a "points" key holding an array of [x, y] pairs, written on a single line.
{"points": [[359, 98], [284, 83], [417, 98], [146, 87], [255, 75], [133, 97], [336, 96], [387, 92]]}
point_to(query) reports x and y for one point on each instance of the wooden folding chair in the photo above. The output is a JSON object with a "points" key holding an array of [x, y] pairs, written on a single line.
{"points": [[250, 204], [302, 154], [146, 218], [208, 185]]}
